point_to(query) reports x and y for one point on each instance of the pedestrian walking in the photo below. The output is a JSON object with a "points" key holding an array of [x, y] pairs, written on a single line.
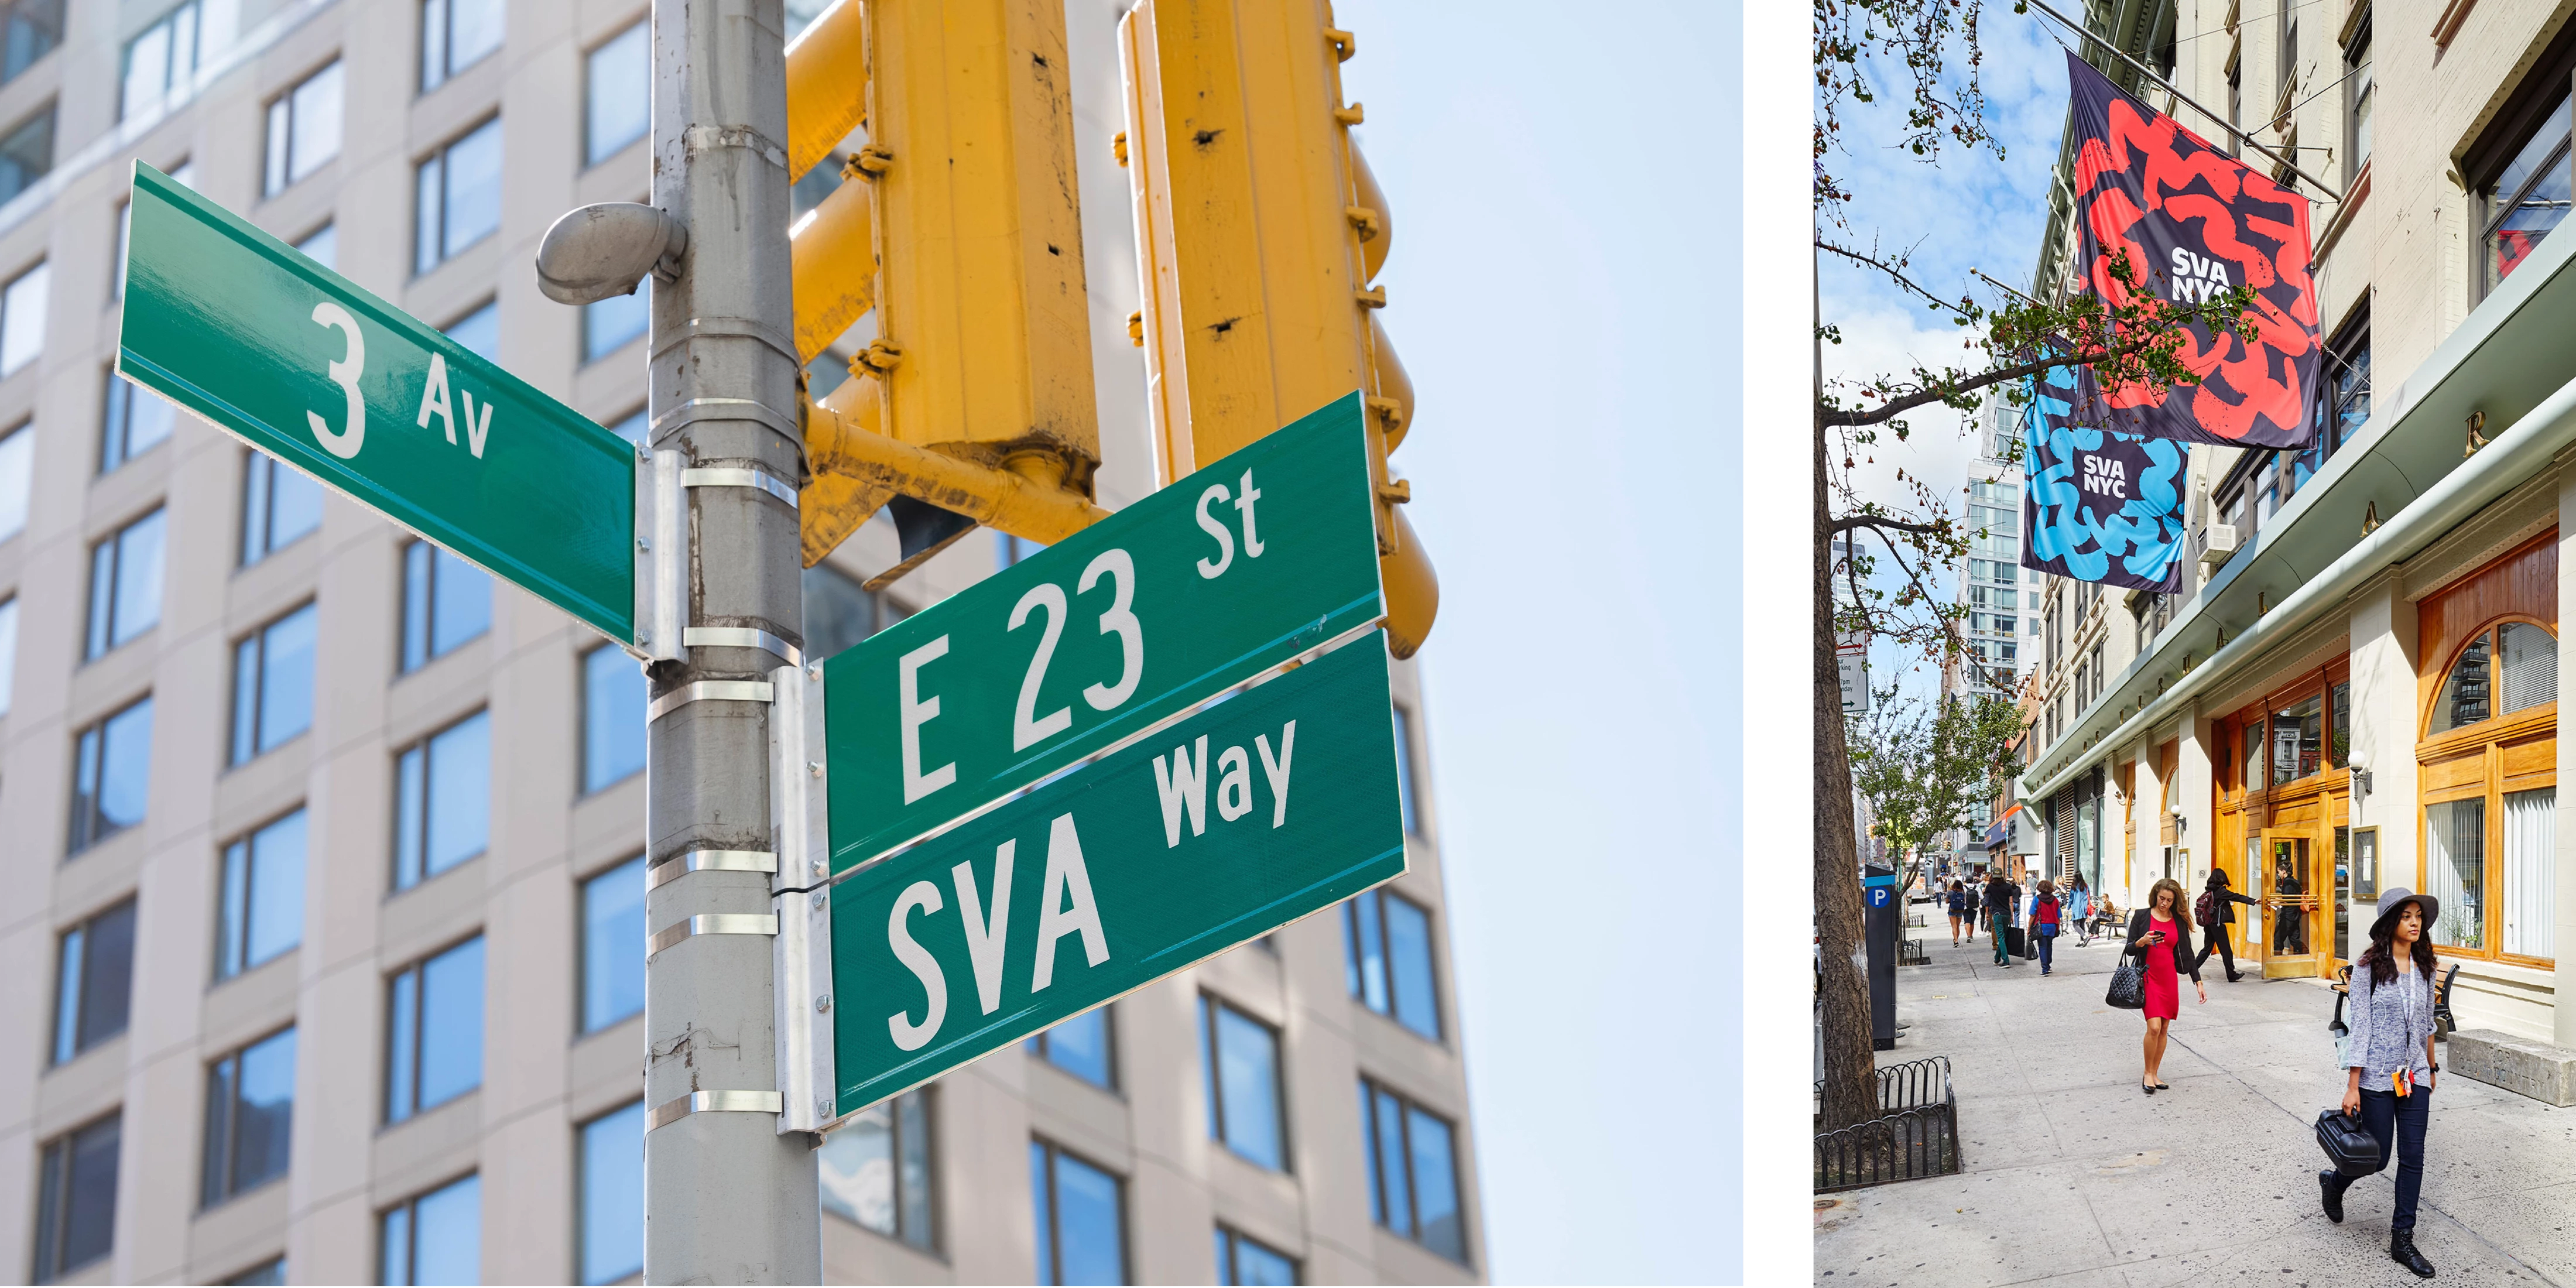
{"points": [[2216, 912], [2045, 911], [2079, 907], [1959, 914], [2388, 1060], [1999, 917], [1974, 890], [2160, 938]]}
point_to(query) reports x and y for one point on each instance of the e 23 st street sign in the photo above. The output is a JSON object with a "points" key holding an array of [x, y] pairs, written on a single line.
{"points": [[305, 365], [1263, 556], [1266, 807]]}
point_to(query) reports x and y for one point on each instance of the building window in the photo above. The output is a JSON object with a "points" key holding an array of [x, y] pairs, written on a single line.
{"points": [[260, 916], [303, 130], [2490, 839], [2343, 397], [111, 775], [161, 62], [17, 477], [458, 192], [612, 945], [1080, 1046], [839, 613], [1081, 1219], [8, 650], [619, 107], [612, 1196], [2357, 86], [267, 1274], [446, 601], [273, 685], [184, 175], [279, 505], [138, 420], [612, 718], [479, 331], [322, 246], [1404, 791], [1241, 1059], [26, 155], [1388, 959], [455, 35], [2235, 101], [635, 426], [1009, 550], [876, 1171], [93, 981], [1242, 1259], [22, 305], [76, 1199], [1412, 1166], [250, 1112], [2526, 196], [434, 1047], [436, 1238], [443, 800], [2513, 668], [611, 324], [125, 584], [29, 30]]}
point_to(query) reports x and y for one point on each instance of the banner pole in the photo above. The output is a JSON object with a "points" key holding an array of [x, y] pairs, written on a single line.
{"points": [[2168, 87]]}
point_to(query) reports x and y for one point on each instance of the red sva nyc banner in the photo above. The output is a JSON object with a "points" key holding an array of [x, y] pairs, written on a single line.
{"points": [[2192, 222]]}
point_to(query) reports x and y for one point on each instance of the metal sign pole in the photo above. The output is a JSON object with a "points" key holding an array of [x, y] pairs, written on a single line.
{"points": [[728, 1195]]}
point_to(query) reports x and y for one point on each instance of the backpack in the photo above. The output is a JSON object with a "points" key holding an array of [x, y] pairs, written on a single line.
{"points": [[2205, 908]]}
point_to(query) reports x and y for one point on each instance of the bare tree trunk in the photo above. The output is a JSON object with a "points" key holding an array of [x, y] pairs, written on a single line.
{"points": [[1850, 1085]]}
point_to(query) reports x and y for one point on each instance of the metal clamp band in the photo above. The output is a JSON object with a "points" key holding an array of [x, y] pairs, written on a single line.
{"points": [[719, 1102], [739, 476], [713, 923], [743, 637], [680, 865], [707, 138], [706, 691], [748, 328], [697, 409]]}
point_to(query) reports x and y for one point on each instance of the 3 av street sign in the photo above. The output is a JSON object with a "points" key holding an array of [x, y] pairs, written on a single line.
{"points": [[1275, 803], [239, 328], [1248, 563]]}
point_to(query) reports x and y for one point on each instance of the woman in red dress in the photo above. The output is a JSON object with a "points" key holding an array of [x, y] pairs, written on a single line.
{"points": [[2160, 938]]}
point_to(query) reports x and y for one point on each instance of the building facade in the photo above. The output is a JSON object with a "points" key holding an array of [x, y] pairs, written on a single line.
{"points": [[2357, 688], [325, 962]]}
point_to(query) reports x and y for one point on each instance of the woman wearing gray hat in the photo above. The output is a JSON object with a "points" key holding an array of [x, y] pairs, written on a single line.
{"points": [[2388, 1059]]}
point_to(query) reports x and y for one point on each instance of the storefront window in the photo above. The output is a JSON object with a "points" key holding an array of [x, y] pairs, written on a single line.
{"points": [[2455, 864], [2526, 667], [2464, 693], [2298, 740], [2253, 756], [2339, 727]]}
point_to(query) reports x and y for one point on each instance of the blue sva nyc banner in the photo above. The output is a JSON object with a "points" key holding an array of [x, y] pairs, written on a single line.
{"points": [[2099, 506]]}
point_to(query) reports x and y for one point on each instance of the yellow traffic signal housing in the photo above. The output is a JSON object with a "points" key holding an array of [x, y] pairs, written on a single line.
{"points": [[1259, 230], [959, 226]]}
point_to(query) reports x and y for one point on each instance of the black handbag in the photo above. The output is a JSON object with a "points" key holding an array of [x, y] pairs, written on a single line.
{"points": [[2348, 1145], [2128, 989]]}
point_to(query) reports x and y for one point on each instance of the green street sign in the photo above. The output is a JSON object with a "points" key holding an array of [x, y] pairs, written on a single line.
{"points": [[1263, 556], [243, 330], [1260, 809]]}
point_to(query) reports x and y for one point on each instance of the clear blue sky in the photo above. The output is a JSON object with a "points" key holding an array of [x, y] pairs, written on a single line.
{"points": [[1562, 287]]}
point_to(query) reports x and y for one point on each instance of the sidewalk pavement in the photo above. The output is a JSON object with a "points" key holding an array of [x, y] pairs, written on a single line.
{"points": [[2074, 1177]]}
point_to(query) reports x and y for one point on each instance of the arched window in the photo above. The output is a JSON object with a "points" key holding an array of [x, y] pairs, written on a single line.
{"points": [[2511, 668]]}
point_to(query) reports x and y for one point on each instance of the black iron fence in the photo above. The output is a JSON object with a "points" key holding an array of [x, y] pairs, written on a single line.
{"points": [[1916, 1134]]}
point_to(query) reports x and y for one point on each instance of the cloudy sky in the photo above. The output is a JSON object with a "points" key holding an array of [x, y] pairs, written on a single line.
{"points": [[1972, 210]]}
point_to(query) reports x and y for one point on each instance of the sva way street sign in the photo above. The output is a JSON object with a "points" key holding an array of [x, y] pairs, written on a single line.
{"points": [[239, 328], [1277, 802], [1265, 555]]}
